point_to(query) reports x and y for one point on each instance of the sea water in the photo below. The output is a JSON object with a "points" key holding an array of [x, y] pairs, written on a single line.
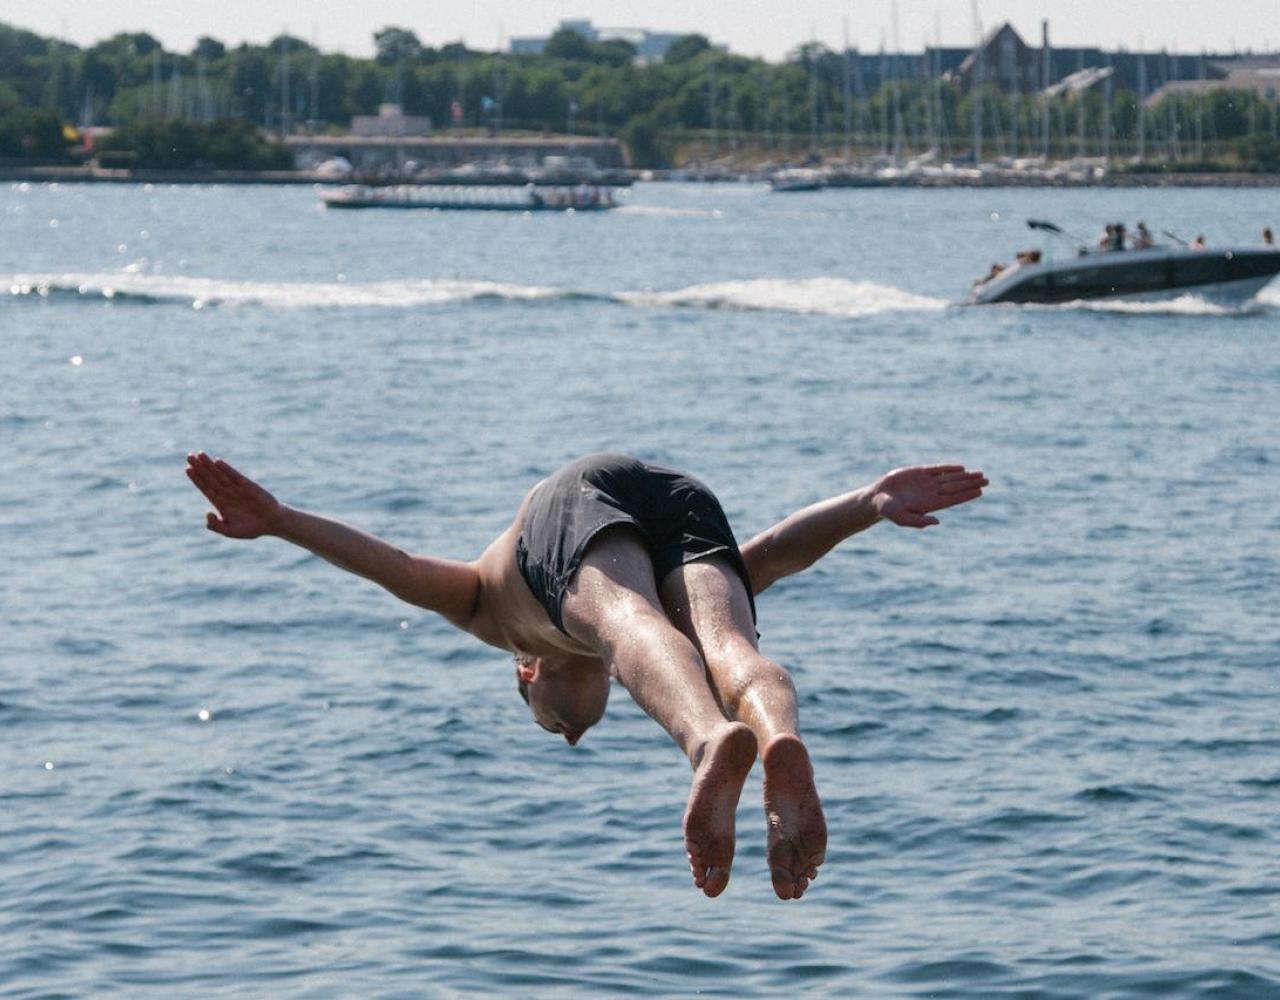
{"points": [[1044, 731]]}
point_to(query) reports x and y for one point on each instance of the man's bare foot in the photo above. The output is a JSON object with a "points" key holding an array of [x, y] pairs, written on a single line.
{"points": [[713, 802], [797, 830]]}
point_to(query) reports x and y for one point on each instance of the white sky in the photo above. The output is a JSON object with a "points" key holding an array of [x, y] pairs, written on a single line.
{"points": [[751, 27]]}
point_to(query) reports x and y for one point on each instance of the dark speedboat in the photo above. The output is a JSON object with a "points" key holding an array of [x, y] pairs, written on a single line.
{"points": [[1231, 274]]}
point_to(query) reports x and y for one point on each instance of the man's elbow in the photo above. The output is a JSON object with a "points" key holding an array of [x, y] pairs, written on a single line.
{"points": [[777, 569], [450, 590]]}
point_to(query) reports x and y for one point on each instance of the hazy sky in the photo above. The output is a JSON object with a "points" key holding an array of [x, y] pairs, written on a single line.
{"points": [[751, 27]]}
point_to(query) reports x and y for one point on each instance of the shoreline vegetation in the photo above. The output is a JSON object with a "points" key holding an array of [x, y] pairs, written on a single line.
{"points": [[83, 174], [125, 109]]}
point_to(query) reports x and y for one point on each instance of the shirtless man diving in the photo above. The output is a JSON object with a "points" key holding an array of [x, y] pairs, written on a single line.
{"points": [[615, 567]]}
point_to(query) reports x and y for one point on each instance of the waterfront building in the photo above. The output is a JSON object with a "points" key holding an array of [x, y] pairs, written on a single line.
{"points": [[1260, 74], [390, 121], [650, 46]]}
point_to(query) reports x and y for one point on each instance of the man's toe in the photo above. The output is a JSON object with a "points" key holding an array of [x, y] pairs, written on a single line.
{"points": [[717, 880], [783, 884]]}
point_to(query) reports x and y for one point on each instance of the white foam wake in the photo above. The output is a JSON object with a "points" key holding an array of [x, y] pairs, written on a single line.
{"points": [[709, 213], [1182, 305], [200, 292], [818, 296]]}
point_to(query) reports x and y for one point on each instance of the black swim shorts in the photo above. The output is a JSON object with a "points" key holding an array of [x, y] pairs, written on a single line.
{"points": [[678, 517]]}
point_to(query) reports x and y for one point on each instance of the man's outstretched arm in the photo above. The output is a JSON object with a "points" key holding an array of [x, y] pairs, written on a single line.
{"points": [[905, 496], [246, 510]]}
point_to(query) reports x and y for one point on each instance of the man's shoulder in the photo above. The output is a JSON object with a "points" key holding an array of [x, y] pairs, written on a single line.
{"points": [[506, 610]]}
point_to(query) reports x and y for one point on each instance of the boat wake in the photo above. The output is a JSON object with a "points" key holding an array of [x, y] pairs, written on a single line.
{"points": [[201, 292], [708, 213], [1183, 305], [815, 296], [812, 296]]}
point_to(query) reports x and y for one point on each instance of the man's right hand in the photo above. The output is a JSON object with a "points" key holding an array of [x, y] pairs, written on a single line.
{"points": [[244, 509]]}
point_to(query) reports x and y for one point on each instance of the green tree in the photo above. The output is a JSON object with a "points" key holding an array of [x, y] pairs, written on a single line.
{"points": [[209, 49], [98, 76], [368, 90], [393, 45], [1259, 152], [33, 135], [567, 44], [1226, 112], [613, 52], [686, 47], [456, 52], [642, 136], [177, 145], [17, 45]]}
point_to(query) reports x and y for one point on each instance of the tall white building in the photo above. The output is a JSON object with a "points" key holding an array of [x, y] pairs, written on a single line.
{"points": [[650, 46]]}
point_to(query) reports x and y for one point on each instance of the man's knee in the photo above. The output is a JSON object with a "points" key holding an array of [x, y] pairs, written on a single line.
{"points": [[751, 676]]}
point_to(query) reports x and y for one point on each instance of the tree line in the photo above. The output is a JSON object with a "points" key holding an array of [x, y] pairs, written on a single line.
{"points": [[215, 104]]}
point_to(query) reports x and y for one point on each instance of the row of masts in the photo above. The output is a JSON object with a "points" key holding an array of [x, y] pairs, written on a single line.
{"points": [[991, 132]]}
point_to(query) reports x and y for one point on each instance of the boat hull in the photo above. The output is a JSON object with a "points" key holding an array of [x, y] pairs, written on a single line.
{"points": [[1235, 274], [350, 203], [471, 199]]}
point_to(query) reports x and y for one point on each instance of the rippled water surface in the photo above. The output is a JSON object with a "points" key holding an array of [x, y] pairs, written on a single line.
{"points": [[1045, 731]]}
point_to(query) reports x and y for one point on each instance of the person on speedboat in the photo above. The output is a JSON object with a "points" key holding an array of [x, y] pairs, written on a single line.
{"points": [[1142, 238], [997, 269], [1199, 243]]}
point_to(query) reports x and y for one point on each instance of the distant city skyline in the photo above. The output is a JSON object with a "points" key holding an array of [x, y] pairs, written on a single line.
{"points": [[768, 28]]}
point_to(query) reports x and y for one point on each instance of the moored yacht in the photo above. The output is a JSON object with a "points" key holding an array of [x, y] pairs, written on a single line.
{"points": [[798, 179]]}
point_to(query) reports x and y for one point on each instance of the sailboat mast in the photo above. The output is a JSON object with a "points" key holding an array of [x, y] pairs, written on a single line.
{"points": [[926, 71], [1142, 102], [813, 93], [897, 97], [1080, 103], [975, 100], [1106, 112], [284, 82], [848, 97], [1046, 78], [1010, 52]]}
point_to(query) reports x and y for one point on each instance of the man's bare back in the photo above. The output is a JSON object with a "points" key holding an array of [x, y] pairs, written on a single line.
{"points": [[506, 613], [681, 639]]}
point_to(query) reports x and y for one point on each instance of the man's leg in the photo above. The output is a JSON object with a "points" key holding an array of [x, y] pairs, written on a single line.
{"points": [[708, 602], [612, 605]]}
